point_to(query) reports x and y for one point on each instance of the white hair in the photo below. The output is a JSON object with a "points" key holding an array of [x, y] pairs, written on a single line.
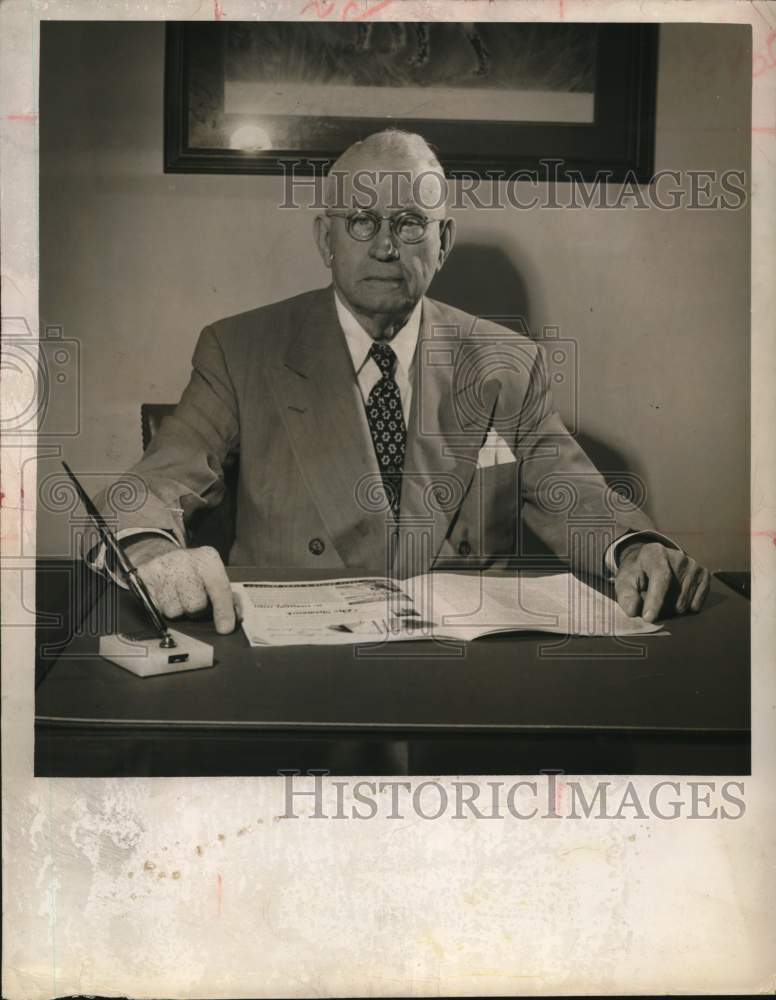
{"points": [[381, 147], [391, 142]]}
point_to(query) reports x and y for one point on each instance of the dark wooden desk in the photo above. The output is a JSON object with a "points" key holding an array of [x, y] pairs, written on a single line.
{"points": [[502, 705]]}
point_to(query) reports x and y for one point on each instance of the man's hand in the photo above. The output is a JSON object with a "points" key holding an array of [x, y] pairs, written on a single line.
{"points": [[654, 581], [183, 581]]}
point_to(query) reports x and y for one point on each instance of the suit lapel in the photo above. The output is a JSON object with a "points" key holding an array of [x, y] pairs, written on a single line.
{"points": [[443, 441], [318, 397]]}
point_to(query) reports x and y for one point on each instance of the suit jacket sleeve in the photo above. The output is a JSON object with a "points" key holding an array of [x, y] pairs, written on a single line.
{"points": [[181, 471], [565, 500]]}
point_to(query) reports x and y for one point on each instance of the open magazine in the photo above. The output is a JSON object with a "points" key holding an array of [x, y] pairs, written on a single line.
{"points": [[437, 605]]}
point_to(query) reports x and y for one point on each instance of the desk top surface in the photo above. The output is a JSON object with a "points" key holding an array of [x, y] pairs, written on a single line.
{"points": [[695, 679]]}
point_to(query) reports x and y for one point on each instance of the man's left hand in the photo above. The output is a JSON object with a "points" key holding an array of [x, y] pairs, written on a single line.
{"points": [[654, 581]]}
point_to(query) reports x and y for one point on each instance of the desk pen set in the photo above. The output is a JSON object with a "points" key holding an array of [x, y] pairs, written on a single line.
{"points": [[157, 649]]}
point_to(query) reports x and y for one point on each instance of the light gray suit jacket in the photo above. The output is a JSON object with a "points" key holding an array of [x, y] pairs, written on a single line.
{"points": [[277, 384]]}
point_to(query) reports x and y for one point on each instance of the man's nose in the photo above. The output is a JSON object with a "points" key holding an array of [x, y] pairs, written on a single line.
{"points": [[385, 245]]}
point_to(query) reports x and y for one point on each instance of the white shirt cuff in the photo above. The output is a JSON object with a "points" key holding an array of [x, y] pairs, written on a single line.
{"points": [[611, 561], [96, 558]]}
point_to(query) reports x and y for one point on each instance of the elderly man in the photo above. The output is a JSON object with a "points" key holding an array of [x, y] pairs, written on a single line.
{"points": [[361, 413]]}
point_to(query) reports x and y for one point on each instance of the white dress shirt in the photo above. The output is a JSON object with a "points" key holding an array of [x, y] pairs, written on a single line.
{"points": [[367, 370]]}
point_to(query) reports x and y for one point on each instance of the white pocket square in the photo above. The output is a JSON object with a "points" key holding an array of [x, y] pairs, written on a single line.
{"points": [[494, 451]]}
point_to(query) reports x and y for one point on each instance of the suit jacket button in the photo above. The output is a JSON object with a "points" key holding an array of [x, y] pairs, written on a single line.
{"points": [[316, 546], [464, 549]]}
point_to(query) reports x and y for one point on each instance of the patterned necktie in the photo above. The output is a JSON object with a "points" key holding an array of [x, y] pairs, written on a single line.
{"points": [[386, 422]]}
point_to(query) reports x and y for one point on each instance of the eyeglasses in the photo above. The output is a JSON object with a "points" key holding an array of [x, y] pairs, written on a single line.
{"points": [[407, 226]]}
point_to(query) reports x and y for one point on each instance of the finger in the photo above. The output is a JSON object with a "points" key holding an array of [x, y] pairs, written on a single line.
{"points": [[626, 587], [701, 591], [679, 563], [659, 581], [690, 580], [191, 591], [219, 590]]}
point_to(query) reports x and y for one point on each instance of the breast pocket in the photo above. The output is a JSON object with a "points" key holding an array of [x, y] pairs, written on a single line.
{"points": [[494, 451]]}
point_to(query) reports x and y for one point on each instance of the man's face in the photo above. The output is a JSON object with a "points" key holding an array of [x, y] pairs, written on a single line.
{"points": [[383, 275]]}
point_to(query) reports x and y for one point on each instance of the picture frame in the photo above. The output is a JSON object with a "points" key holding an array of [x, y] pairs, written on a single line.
{"points": [[296, 107]]}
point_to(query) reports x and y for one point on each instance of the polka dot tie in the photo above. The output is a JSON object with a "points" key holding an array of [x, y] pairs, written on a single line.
{"points": [[386, 422]]}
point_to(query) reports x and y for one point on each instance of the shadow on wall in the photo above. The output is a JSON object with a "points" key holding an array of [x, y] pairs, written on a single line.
{"points": [[482, 280]]}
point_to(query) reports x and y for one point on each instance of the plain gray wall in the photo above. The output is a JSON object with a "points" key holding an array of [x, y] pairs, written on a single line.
{"points": [[134, 262]]}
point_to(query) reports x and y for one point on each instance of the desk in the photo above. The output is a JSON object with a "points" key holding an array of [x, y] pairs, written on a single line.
{"points": [[500, 705]]}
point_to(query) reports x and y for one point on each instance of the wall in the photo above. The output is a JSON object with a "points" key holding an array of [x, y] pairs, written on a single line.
{"points": [[134, 262]]}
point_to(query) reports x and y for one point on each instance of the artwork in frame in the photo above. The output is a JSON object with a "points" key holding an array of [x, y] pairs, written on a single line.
{"points": [[492, 98]]}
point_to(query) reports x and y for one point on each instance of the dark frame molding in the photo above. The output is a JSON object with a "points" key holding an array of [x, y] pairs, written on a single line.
{"points": [[617, 145]]}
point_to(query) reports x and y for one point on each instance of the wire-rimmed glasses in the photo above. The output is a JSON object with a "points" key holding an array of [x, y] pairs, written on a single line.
{"points": [[363, 224]]}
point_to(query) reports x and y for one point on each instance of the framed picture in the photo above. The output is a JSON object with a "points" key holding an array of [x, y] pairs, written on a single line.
{"points": [[492, 98]]}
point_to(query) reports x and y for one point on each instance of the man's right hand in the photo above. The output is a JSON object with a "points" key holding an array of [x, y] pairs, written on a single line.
{"points": [[185, 581]]}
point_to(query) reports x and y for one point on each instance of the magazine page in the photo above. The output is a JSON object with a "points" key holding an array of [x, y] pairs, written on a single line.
{"points": [[467, 606], [328, 612]]}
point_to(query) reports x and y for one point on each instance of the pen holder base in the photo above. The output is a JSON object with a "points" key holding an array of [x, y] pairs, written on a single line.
{"points": [[142, 655]]}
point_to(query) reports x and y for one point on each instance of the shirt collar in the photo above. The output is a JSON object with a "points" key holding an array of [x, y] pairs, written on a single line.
{"points": [[359, 342]]}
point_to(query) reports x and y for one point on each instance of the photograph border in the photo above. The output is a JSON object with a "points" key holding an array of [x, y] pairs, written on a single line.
{"points": [[265, 905]]}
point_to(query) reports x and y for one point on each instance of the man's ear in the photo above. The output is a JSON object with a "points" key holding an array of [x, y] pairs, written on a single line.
{"points": [[446, 240], [322, 234]]}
